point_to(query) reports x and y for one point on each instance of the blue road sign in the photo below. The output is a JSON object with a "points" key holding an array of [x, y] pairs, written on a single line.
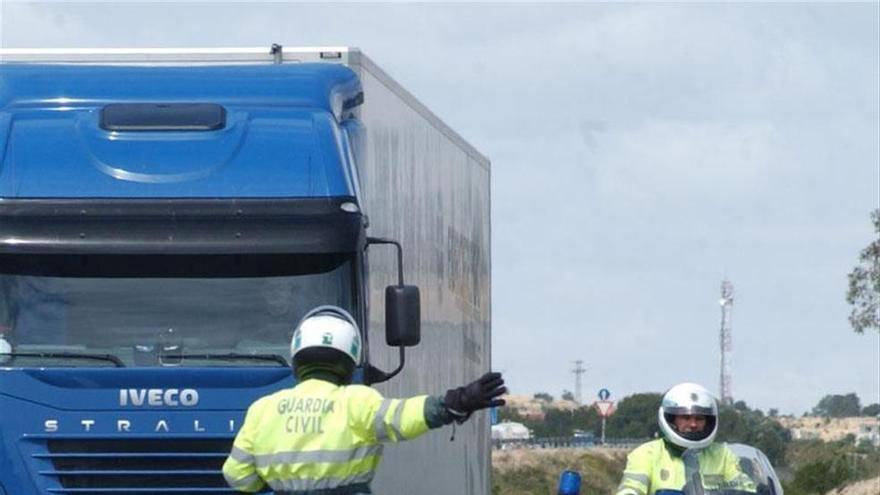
{"points": [[604, 394]]}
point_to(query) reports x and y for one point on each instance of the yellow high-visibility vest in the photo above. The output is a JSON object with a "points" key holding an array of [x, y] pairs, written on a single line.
{"points": [[319, 436], [651, 467]]}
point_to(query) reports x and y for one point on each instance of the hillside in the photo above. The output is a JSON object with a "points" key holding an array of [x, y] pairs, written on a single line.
{"points": [[832, 429], [864, 487]]}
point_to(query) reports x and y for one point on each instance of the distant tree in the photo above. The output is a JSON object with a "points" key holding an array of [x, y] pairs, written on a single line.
{"points": [[865, 444], [864, 285], [838, 406], [587, 419], [566, 395], [557, 423], [562, 423], [544, 396], [635, 417], [740, 424], [773, 412], [509, 414], [871, 410]]}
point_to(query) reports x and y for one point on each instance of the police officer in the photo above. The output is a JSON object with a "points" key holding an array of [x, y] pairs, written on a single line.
{"points": [[325, 436], [688, 417]]}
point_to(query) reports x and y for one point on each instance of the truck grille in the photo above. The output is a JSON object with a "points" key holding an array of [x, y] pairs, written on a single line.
{"points": [[89, 466]]}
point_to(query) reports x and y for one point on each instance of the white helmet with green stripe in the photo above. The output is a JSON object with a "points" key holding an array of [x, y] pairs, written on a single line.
{"points": [[688, 399], [329, 327]]}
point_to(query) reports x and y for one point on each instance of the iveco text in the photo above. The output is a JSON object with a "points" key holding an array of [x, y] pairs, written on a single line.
{"points": [[158, 397]]}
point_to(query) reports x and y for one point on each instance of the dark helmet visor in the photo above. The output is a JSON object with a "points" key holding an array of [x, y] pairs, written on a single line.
{"points": [[694, 436]]}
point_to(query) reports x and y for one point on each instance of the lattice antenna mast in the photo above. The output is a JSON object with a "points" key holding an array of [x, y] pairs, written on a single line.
{"points": [[726, 303], [578, 371]]}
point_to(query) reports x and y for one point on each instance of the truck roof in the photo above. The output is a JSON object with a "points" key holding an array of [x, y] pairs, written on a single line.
{"points": [[276, 54], [188, 56], [279, 135]]}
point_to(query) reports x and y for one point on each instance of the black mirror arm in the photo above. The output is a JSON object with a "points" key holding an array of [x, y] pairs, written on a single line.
{"points": [[373, 374], [382, 240]]}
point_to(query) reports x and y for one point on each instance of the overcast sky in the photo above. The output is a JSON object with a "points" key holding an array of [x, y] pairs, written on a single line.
{"points": [[640, 154]]}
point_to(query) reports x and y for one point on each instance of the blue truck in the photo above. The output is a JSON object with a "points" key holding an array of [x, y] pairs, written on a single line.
{"points": [[168, 215]]}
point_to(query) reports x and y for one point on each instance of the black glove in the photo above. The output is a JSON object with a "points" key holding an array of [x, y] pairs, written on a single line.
{"points": [[479, 394]]}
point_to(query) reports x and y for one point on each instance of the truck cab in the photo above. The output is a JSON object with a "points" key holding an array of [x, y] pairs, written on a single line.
{"points": [[163, 227]]}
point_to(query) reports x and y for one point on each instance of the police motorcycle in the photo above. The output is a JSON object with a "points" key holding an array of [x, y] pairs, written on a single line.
{"points": [[756, 465], [751, 475]]}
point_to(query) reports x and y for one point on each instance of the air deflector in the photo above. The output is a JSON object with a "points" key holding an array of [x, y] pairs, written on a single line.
{"points": [[158, 117]]}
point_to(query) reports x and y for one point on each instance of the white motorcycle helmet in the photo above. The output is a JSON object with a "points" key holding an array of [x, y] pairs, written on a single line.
{"points": [[327, 327], [688, 399]]}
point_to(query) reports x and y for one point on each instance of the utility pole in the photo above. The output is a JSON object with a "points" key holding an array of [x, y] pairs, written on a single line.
{"points": [[578, 371], [726, 303]]}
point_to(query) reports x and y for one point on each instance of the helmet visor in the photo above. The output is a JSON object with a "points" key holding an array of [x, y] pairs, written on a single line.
{"points": [[694, 436], [689, 410]]}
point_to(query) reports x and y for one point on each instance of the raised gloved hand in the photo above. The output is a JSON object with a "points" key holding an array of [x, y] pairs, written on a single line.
{"points": [[479, 394]]}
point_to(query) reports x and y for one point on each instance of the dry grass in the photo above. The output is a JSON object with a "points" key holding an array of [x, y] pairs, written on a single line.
{"points": [[536, 472], [864, 487]]}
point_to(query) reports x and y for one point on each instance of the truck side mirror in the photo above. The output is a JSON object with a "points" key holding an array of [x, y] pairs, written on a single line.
{"points": [[403, 323]]}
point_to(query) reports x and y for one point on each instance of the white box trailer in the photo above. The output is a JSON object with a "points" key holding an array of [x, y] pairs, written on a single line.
{"points": [[429, 188]]}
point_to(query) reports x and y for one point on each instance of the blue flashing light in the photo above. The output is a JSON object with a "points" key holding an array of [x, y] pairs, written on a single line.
{"points": [[569, 483]]}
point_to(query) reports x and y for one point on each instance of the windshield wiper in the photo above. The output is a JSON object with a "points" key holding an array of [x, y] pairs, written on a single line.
{"points": [[68, 355], [231, 356]]}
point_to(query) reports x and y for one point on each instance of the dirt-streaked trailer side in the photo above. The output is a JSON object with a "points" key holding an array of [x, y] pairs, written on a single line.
{"points": [[427, 187]]}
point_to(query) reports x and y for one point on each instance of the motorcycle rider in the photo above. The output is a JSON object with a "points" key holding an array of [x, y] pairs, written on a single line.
{"points": [[688, 420]]}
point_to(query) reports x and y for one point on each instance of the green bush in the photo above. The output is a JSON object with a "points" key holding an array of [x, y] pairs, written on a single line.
{"points": [[819, 466], [820, 477]]}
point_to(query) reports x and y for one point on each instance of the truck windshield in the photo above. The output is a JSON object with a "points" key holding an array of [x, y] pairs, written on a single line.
{"points": [[163, 311]]}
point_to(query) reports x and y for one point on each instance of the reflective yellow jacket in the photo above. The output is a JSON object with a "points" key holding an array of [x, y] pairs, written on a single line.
{"points": [[319, 436], [652, 467]]}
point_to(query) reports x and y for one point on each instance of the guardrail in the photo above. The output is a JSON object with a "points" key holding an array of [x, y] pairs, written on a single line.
{"points": [[567, 442]]}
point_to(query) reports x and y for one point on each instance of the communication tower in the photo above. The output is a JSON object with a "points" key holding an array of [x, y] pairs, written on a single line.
{"points": [[726, 303], [578, 371]]}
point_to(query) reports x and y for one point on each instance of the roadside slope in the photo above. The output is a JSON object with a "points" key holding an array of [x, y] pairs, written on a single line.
{"points": [[536, 472], [865, 487]]}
